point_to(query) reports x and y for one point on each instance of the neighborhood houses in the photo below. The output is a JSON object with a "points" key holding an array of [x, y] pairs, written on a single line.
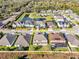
{"points": [[40, 39], [57, 40], [47, 30]]}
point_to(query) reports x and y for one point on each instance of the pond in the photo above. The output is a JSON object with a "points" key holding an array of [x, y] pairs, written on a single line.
{"points": [[26, 18]]}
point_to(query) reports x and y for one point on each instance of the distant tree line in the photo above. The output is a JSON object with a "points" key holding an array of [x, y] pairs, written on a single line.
{"points": [[7, 7]]}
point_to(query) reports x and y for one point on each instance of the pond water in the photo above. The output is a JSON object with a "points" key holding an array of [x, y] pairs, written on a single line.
{"points": [[26, 18]]}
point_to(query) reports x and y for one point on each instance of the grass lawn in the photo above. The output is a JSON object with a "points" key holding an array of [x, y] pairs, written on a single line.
{"points": [[34, 15], [31, 48], [61, 49], [77, 22], [56, 28], [45, 48], [74, 22], [49, 18], [41, 30], [39, 48], [77, 49], [70, 29], [5, 48]]}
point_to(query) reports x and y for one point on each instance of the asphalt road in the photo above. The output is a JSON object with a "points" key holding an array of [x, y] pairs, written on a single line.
{"points": [[12, 18]]}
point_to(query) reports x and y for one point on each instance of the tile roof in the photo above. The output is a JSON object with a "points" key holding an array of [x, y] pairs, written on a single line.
{"points": [[56, 37]]}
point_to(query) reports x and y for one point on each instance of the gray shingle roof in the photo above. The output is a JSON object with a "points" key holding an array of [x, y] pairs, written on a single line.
{"points": [[7, 39], [39, 37], [4, 41], [11, 38], [28, 37], [22, 41], [72, 39]]}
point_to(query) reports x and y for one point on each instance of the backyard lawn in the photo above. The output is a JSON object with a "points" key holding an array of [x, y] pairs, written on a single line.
{"points": [[39, 48], [77, 49], [61, 49], [34, 15], [4, 48], [49, 18], [57, 29], [74, 22]]}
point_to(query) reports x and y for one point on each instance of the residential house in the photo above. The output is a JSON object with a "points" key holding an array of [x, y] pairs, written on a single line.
{"points": [[49, 11], [42, 11], [69, 11], [57, 40], [62, 22], [50, 24], [25, 22], [23, 40], [40, 39], [8, 40], [14, 25], [40, 22], [72, 40]]}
